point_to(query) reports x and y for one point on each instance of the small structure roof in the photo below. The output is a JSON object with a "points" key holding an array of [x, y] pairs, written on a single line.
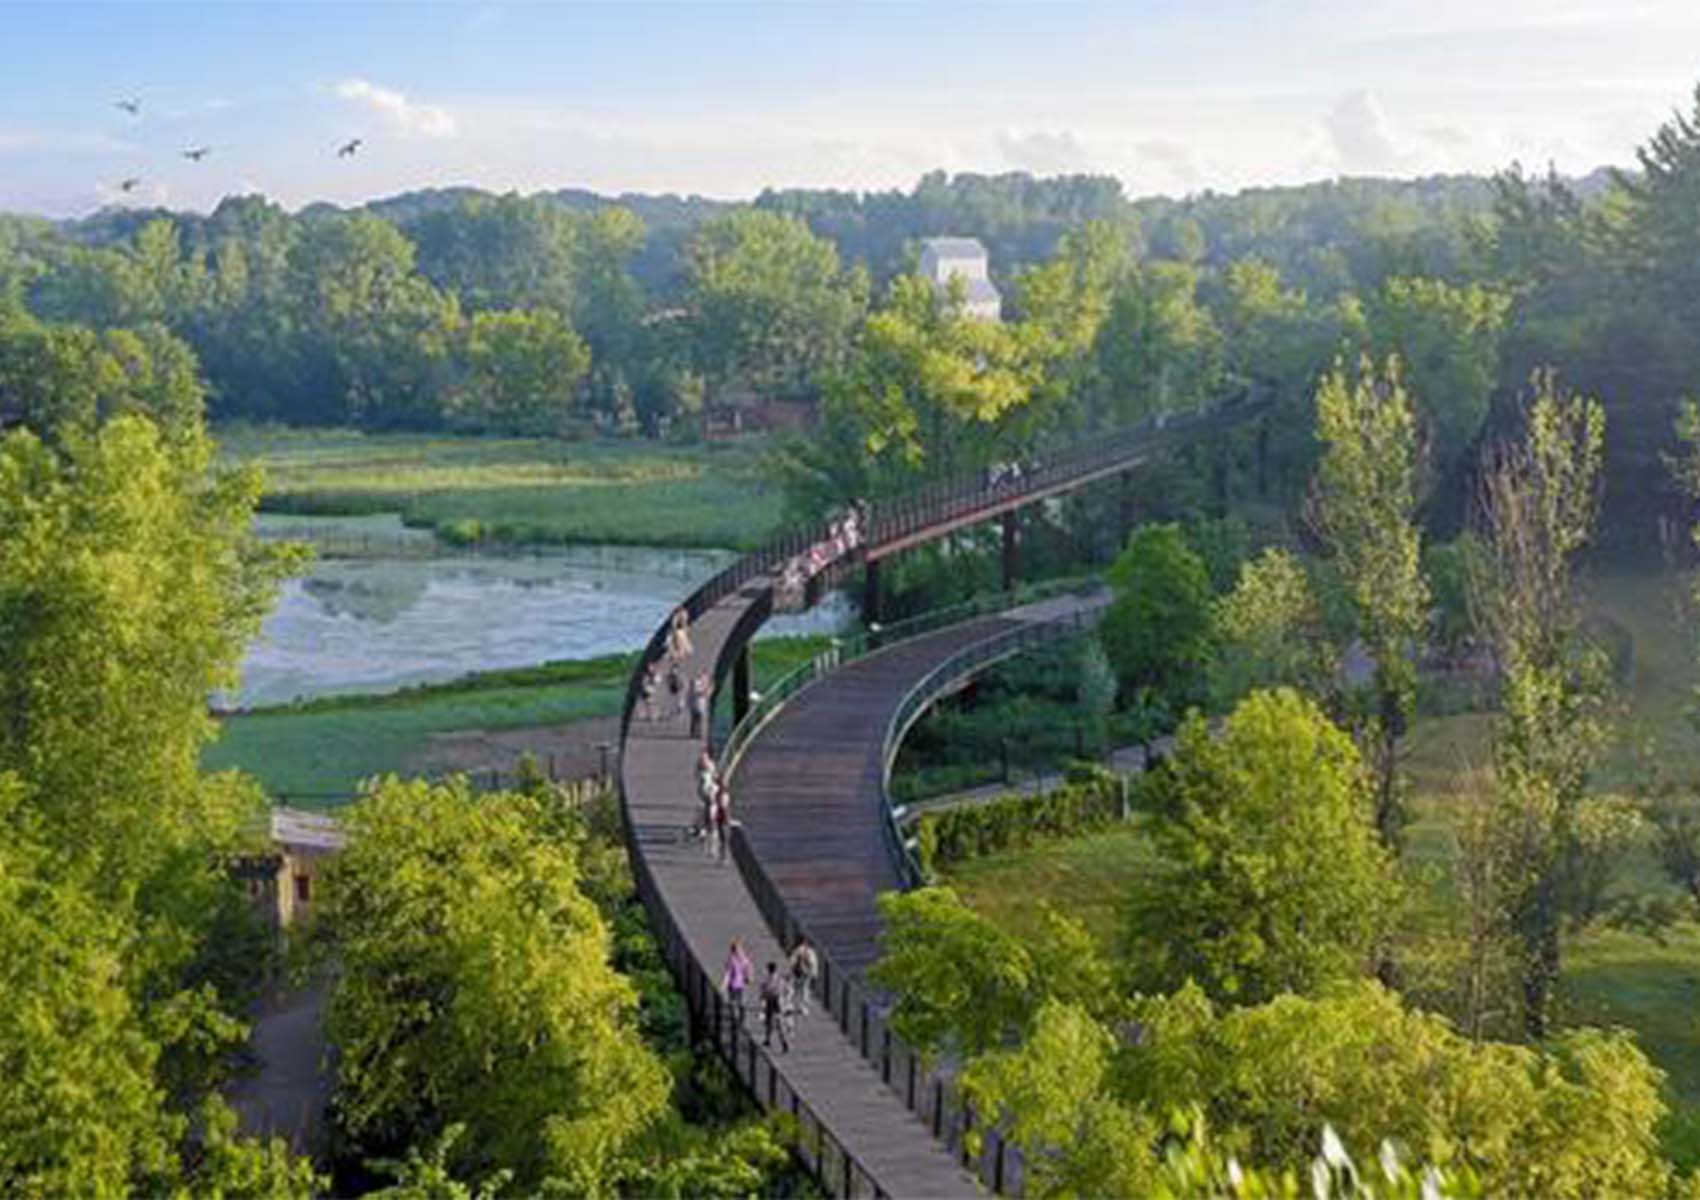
{"points": [[955, 247], [297, 827]]}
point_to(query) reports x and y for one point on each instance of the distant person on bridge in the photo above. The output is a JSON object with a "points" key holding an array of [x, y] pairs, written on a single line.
{"points": [[651, 685], [708, 783], [679, 636], [804, 967], [700, 690], [773, 1007], [736, 978], [722, 822], [675, 689]]}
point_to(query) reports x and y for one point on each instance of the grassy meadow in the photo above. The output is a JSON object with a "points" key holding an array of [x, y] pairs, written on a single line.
{"points": [[1645, 982], [315, 754], [521, 490]]}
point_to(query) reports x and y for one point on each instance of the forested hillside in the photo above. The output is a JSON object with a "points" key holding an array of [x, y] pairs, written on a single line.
{"points": [[560, 312]]}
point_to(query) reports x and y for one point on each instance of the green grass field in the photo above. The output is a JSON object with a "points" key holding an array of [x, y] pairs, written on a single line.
{"points": [[314, 755], [522, 490], [1611, 977]]}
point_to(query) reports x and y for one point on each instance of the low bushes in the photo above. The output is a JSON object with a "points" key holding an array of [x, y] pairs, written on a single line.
{"points": [[1092, 798]]}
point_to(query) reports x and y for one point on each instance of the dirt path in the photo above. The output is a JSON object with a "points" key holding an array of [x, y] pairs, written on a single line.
{"points": [[287, 1095]]}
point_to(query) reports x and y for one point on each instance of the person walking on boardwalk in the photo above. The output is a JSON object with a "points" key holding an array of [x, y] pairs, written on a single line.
{"points": [[675, 689], [651, 682], [722, 822], [708, 784], [700, 688], [805, 965], [679, 636], [736, 978], [773, 1009]]}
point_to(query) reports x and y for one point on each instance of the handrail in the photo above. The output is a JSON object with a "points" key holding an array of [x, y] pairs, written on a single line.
{"points": [[970, 660], [868, 641]]}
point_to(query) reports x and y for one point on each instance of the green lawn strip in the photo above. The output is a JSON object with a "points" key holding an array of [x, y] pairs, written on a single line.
{"points": [[313, 752], [532, 490], [1085, 877]]}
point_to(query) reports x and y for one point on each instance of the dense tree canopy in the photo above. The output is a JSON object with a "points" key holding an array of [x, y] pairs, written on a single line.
{"points": [[1273, 879], [473, 988]]}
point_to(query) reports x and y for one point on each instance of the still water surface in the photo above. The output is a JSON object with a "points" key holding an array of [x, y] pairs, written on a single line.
{"points": [[375, 624]]}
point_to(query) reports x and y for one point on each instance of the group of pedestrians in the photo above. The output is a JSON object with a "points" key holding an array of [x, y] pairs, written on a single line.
{"points": [[714, 808], [784, 995], [686, 693], [844, 535]]}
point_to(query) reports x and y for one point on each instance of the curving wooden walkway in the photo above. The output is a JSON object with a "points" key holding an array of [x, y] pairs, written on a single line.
{"points": [[810, 787], [813, 850], [711, 906]]}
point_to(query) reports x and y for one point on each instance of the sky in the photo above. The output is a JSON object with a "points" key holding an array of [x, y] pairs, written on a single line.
{"points": [[724, 99]]}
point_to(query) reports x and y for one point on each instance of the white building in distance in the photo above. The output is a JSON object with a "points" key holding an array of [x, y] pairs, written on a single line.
{"points": [[944, 258]]}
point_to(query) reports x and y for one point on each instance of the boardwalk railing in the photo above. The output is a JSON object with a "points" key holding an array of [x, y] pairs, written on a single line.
{"points": [[840, 1172], [969, 661], [865, 642], [863, 1016]]}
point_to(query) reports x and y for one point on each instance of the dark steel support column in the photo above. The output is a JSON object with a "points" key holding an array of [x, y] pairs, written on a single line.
{"points": [[741, 685], [871, 592], [1011, 551]]}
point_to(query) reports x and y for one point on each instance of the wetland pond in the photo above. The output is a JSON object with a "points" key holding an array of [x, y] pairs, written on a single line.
{"points": [[384, 607]]}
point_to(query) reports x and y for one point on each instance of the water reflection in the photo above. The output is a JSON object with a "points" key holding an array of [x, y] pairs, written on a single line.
{"points": [[374, 625]]}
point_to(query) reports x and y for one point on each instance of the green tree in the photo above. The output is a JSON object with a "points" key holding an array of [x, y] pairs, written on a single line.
{"points": [[520, 372], [1159, 350], [1364, 507], [768, 304], [1054, 1094], [1446, 338], [1538, 501], [964, 985], [1157, 632], [54, 376], [926, 392], [1273, 879], [372, 333], [473, 987], [1575, 1119], [1270, 631], [130, 585]]}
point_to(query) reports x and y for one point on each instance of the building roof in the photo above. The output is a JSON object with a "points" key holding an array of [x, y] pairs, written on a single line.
{"points": [[296, 827], [955, 247]]}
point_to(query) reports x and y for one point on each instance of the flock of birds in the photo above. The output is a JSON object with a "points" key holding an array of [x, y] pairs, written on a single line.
{"points": [[133, 106]]}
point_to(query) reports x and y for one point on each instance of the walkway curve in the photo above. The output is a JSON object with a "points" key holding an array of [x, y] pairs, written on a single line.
{"points": [[840, 1083]]}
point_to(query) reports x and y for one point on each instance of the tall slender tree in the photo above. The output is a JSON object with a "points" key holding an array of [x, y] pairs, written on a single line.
{"points": [[1364, 506], [1537, 505]]}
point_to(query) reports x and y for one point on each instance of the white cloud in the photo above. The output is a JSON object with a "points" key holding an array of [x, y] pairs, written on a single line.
{"points": [[18, 140], [1362, 139], [1042, 152], [426, 120]]}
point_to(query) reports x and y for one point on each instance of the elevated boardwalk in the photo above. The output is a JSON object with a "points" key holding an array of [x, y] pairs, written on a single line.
{"points": [[815, 846], [810, 788], [893, 1153]]}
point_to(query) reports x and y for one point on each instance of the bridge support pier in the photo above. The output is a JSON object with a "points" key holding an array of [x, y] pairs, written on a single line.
{"points": [[741, 685], [1011, 550], [871, 592]]}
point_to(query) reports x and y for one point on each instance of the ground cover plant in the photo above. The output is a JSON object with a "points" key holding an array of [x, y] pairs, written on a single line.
{"points": [[518, 490]]}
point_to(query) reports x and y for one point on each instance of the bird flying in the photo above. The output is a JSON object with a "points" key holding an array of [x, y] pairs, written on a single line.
{"points": [[197, 153], [133, 106], [130, 184], [348, 148]]}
